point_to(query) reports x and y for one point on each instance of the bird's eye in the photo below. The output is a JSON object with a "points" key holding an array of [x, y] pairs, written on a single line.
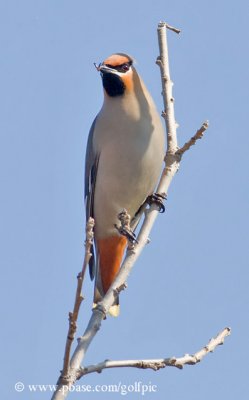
{"points": [[124, 67]]}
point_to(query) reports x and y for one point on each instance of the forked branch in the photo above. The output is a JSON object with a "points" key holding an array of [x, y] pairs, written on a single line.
{"points": [[73, 370]]}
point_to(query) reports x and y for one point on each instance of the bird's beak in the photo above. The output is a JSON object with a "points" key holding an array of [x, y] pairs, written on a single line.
{"points": [[103, 68], [97, 66]]}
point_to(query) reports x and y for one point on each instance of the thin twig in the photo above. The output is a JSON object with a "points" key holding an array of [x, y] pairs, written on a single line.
{"points": [[73, 316], [199, 134], [157, 364], [171, 28]]}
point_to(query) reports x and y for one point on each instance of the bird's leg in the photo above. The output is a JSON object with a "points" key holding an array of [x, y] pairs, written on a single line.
{"points": [[157, 198], [135, 220]]}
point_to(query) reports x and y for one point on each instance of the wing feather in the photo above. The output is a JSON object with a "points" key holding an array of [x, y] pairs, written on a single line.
{"points": [[91, 167]]}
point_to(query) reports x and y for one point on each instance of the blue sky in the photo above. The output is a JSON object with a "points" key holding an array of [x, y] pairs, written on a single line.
{"points": [[192, 280]]}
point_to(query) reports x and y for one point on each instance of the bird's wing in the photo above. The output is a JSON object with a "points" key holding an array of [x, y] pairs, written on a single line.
{"points": [[91, 166]]}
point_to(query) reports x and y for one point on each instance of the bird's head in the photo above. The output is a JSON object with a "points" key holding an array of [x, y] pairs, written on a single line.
{"points": [[117, 73]]}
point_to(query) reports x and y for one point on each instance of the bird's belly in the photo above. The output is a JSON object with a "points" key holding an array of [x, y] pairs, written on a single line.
{"points": [[126, 176]]}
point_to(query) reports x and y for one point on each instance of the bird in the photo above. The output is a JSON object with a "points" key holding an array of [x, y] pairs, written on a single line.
{"points": [[124, 157]]}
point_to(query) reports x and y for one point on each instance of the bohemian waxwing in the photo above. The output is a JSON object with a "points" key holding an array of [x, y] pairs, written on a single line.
{"points": [[124, 157]]}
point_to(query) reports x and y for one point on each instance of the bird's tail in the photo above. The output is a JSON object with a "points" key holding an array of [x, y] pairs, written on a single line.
{"points": [[110, 252]]}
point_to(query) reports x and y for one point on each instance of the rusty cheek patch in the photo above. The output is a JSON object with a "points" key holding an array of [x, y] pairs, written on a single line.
{"points": [[128, 81]]}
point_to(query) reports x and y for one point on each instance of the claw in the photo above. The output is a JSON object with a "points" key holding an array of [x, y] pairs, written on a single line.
{"points": [[129, 234], [157, 198]]}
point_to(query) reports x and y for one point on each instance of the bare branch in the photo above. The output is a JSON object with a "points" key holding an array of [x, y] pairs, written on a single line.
{"points": [[172, 164], [167, 85], [73, 316], [157, 364], [172, 161], [199, 134]]}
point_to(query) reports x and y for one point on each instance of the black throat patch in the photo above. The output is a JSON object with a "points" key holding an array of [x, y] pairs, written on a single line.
{"points": [[113, 84]]}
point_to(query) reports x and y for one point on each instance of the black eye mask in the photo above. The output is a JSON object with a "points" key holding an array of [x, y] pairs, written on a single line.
{"points": [[121, 68]]}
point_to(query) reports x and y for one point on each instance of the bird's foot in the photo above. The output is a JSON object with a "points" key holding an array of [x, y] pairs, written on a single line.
{"points": [[128, 233], [125, 229], [157, 198]]}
